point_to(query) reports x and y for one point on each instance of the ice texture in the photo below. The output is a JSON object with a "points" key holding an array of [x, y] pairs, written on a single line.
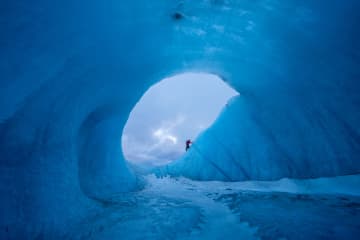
{"points": [[71, 71]]}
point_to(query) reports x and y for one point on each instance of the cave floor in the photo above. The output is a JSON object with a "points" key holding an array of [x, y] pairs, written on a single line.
{"points": [[178, 208]]}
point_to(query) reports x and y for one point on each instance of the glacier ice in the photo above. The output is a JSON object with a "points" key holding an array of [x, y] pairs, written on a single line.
{"points": [[71, 72]]}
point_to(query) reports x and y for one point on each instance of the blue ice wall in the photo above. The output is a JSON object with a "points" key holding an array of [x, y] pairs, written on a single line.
{"points": [[71, 71], [296, 67]]}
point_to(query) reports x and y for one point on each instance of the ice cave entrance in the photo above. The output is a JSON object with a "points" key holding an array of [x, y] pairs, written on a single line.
{"points": [[170, 112]]}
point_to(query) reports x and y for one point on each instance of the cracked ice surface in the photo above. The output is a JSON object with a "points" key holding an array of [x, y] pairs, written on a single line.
{"points": [[179, 208]]}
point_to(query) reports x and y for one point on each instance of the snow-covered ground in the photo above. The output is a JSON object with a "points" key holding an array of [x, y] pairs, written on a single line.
{"points": [[179, 208]]}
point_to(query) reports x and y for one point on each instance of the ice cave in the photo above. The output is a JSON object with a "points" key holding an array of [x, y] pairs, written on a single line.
{"points": [[281, 161]]}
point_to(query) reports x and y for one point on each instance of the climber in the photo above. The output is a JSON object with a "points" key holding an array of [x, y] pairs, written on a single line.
{"points": [[188, 143]]}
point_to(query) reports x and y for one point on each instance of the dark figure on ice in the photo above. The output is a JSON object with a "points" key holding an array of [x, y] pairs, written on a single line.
{"points": [[188, 143]]}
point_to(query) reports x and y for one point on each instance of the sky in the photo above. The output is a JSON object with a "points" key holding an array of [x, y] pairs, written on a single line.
{"points": [[170, 112]]}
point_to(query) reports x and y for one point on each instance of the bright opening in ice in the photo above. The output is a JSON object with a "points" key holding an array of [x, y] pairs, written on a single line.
{"points": [[174, 110]]}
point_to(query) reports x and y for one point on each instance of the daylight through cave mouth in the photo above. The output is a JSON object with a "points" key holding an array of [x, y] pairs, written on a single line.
{"points": [[175, 109]]}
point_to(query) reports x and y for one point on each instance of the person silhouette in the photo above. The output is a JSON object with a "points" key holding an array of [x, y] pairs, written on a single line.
{"points": [[188, 143]]}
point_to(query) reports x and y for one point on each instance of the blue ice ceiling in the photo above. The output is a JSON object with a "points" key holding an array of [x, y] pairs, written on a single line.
{"points": [[71, 71]]}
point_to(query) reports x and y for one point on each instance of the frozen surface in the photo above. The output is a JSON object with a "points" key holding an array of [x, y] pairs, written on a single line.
{"points": [[183, 209], [71, 71]]}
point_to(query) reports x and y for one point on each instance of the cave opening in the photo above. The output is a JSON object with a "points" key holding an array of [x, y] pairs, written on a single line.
{"points": [[172, 111]]}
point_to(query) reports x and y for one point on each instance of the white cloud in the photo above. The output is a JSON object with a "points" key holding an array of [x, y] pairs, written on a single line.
{"points": [[163, 135], [164, 145]]}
